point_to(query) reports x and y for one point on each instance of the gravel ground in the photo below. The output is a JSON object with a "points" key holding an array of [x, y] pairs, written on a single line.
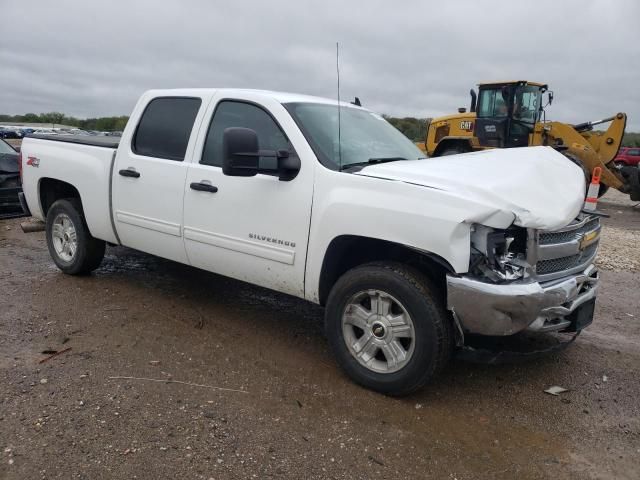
{"points": [[620, 244], [620, 249], [284, 410]]}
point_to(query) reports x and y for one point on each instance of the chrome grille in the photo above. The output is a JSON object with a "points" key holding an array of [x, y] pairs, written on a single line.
{"points": [[560, 252], [547, 238], [554, 265]]}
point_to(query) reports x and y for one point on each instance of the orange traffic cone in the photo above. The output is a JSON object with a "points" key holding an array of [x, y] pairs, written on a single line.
{"points": [[591, 202]]}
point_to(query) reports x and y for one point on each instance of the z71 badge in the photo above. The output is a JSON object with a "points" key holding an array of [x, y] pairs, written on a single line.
{"points": [[466, 125]]}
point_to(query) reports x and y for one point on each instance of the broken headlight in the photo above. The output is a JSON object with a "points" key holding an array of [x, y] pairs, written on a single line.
{"points": [[498, 255]]}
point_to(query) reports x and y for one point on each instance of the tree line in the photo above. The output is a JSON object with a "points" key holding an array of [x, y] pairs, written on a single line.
{"points": [[103, 124], [631, 140], [413, 128]]}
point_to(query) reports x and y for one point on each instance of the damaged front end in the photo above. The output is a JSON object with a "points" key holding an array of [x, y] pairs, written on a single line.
{"points": [[525, 279]]}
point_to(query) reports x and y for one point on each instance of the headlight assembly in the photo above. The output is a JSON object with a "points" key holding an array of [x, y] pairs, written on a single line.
{"points": [[499, 255]]}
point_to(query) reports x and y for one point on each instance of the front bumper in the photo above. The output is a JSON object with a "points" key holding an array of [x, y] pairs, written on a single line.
{"points": [[23, 204], [10, 205], [505, 309]]}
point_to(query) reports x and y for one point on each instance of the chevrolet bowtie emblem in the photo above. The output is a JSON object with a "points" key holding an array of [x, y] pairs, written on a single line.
{"points": [[589, 238]]}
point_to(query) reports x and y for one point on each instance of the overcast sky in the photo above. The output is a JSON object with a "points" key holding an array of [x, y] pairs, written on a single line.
{"points": [[412, 58]]}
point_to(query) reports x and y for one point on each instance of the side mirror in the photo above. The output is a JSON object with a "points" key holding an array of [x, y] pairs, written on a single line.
{"points": [[550, 97], [242, 156], [240, 152]]}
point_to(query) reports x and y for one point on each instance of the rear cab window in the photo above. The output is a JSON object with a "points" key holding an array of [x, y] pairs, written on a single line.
{"points": [[165, 128]]}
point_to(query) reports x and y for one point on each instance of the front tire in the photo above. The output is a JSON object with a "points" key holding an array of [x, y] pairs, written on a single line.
{"points": [[70, 244], [388, 328]]}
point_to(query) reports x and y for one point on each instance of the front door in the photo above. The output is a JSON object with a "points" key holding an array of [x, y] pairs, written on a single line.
{"points": [[492, 117], [250, 228], [149, 176], [524, 115]]}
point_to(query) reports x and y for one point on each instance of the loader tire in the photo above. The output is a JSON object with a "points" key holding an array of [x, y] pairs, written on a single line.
{"points": [[587, 175], [453, 151]]}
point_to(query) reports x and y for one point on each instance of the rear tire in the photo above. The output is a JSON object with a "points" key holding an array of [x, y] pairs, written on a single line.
{"points": [[388, 328], [603, 189], [70, 244]]}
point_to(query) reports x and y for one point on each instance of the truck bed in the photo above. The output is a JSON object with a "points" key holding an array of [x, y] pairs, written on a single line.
{"points": [[83, 162], [93, 140]]}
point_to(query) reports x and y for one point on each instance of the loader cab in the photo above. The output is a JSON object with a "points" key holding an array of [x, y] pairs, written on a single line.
{"points": [[507, 112]]}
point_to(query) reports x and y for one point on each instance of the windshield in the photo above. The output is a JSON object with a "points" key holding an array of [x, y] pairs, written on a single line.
{"points": [[5, 148], [365, 137], [494, 103]]}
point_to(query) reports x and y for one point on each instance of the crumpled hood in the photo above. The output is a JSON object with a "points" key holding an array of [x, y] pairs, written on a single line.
{"points": [[539, 186]]}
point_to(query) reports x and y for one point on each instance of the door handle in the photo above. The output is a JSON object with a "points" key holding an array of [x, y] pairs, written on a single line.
{"points": [[129, 172], [203, 187]]}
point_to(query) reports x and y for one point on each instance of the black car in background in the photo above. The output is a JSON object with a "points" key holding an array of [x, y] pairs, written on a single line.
{"points": [[10, 184], [9, 133]]}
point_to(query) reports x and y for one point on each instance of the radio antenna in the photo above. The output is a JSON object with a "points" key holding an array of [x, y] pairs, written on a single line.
{"points": [[339, 107]]}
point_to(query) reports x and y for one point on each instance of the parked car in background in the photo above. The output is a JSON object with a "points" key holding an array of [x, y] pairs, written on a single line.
{"points": [[10, 185], [45, 131], [628, 157], [9, 133]]}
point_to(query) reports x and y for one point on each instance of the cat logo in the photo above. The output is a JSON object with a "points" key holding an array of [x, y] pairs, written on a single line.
{"points": [[466, 125]]}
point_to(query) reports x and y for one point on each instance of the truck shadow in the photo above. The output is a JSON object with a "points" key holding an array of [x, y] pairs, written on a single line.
{"points": [[205, 299]]}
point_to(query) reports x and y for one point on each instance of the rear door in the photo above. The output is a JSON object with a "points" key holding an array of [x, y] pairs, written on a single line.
{"points": [[150, 172]]}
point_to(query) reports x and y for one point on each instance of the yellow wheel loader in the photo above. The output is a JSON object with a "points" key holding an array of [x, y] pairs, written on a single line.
{"points": [[511, 114]]}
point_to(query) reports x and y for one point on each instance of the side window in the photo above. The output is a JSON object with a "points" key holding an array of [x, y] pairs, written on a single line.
{"points": [[492, 103], [487, 99], [526, 107], [165, 128], [231, 113], [634, 151]]}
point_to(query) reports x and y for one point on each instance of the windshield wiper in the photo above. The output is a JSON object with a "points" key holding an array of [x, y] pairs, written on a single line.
{"points": [[372, 161]]}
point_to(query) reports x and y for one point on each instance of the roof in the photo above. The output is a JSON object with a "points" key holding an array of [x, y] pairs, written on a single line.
{"points": [[281, 97], [523, 82]]}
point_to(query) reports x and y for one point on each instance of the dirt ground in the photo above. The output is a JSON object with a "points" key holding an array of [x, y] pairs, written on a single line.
{"points": [[283, 409]]}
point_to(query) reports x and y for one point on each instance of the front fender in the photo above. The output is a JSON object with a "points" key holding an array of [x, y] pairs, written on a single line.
{"points": [[423, 218]]}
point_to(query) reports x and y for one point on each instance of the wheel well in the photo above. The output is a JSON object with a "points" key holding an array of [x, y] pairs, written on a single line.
{"points": [[52, 190], [463, 145], [349, 251]]}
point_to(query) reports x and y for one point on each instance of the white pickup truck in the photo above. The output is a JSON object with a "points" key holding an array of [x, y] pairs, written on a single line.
{"points": [[330, 203]]}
